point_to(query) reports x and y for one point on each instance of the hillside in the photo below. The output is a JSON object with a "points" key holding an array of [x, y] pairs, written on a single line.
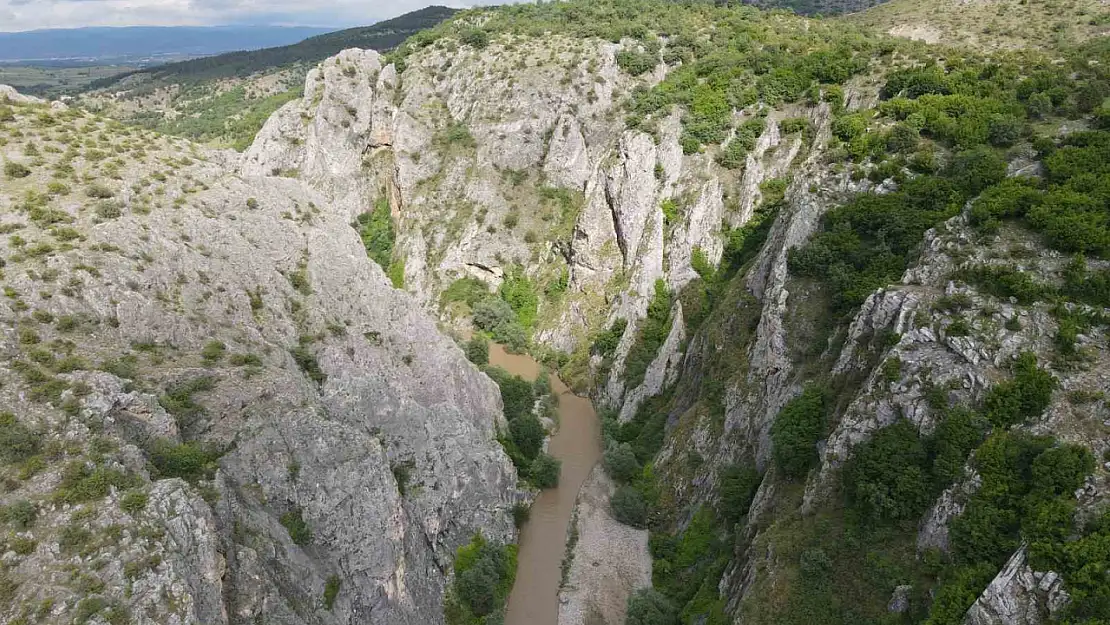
{"points": [[139, 43], [992, 24], [841, 299], [217, 410], [224, 99]]}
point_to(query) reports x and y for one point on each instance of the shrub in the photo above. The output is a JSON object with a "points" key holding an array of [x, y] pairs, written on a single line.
{"points": [[491, 313], [648, 606], [189, 461], [606, 342], [521, 513], [307, 362], [520, 293], [477, 350], [99, 191], [20, 513], [17, 441], [517, 394], [887, 477], [738, 487], [620, 462], [475, 37], [133, 502], [484, 575], [636, 62], [796, 430], [628, 507], [1024, 397], [331, 591], [298, 528], [81, 482], [213, 351], [527, 434], [15, 170], [376, 230], [544, 472], [178, 400], [652, 334]]}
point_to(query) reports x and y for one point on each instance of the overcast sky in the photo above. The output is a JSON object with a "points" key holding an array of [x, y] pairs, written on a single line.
{"points": [[32, 14]]}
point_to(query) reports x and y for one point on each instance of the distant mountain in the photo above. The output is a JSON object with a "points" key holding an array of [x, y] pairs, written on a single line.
{"points": [[136, 42], [381, 36]]}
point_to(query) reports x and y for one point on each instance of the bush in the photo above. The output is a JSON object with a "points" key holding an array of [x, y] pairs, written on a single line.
{"points": [[517, 394], [652, 334], [133, 502], [178, 400], [99, 191], [307, 362], [796, 430], [20, 513], [606, 343], [467, 290], [620, 462], [648, 606], [974, 170], [1024, 397], [484, 575], [628, 507], [520, 293], [636, 62], [213, 351], [521, 513], [376, 230], [527, 434], [738, 487], [189, 461], [475, 37], [298, 528], [477, 350], [17, 441], [81, 483], [15, 170], [544, 472], [887, 477], [331, 591]]}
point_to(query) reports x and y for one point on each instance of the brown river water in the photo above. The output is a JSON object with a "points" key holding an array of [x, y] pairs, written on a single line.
{"points": [[577, 443]]}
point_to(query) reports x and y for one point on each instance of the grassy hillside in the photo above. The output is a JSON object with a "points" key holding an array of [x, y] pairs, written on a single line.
{"points": [[224, 100], [381, 36], [992, 24]]}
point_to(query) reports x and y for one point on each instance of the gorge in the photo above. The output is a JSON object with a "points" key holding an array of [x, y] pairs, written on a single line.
{"points": [[839, 300]]}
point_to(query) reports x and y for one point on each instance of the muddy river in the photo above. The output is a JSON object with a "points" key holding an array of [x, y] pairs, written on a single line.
{"points": [[577, 443]]}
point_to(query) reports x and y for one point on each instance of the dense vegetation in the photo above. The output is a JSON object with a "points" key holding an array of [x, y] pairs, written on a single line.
{"points": [[484, 575], [377, 233]]}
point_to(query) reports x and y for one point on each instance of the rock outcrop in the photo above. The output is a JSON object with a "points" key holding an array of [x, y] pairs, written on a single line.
{"points": [[228, 329]]}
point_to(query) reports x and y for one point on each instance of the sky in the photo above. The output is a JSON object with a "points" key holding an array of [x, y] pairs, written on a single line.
{"points": [[33, 14]]}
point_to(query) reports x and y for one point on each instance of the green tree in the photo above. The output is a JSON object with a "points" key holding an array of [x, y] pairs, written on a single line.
{"points": [[796, 430]]}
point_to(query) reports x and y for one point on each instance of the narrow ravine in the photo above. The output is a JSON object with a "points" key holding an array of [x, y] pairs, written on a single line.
{"points": [[577, 443]]}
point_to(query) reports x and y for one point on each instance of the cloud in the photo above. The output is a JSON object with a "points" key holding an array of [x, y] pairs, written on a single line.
{"points": [[33, 14]]}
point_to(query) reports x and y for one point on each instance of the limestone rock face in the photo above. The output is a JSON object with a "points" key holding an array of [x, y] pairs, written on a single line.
{"points": [[1018, 596], [518, 156], [237, 312]]}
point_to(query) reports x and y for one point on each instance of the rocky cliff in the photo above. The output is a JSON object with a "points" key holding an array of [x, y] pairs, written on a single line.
{"points": [[515, 154], [223, 412]]}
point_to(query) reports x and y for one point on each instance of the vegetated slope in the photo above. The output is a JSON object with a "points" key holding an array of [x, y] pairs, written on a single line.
{"points": [[814, 7], [215, 408], [991, 24], [381, 36], [825, 286], [145, 42], [225, 99]]}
